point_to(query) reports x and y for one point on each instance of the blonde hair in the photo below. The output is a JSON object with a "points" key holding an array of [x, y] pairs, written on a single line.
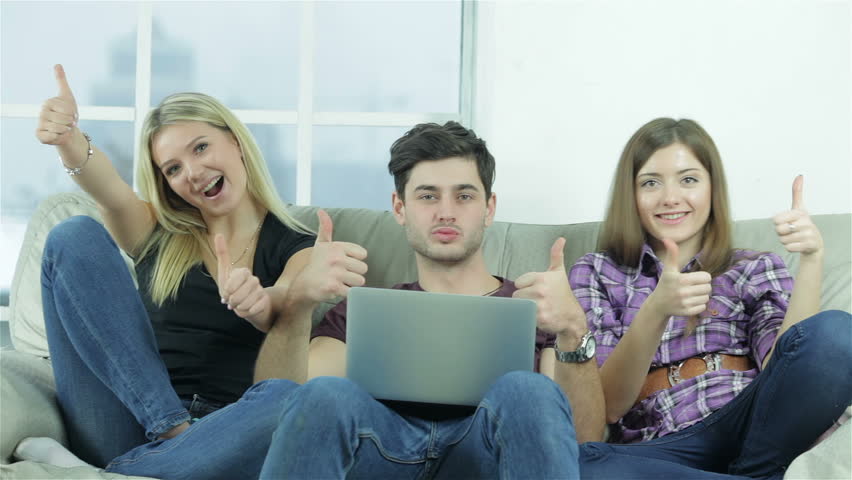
{"points": [[622, 235], [178, 238]]}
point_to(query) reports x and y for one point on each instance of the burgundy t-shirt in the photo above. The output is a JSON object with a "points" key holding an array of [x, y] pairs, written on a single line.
{"points": [[334, 323]]}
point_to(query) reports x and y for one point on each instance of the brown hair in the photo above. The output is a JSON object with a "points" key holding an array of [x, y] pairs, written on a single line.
{"points": [[430, 141], [622, 235]]}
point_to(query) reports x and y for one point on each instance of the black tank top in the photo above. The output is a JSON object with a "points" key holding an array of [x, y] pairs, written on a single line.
{"points": [[207, 349]]}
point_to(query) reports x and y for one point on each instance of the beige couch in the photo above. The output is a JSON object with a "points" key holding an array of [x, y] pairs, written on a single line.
{"points": [[511, 249]]}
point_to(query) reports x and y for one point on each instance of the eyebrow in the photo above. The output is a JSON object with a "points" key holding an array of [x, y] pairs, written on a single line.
{"points": [[187, 147], [433, 188], [655, 174]]}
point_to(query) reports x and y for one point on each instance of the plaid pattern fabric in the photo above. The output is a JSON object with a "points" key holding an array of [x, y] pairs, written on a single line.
{"points": [[746, 308]]}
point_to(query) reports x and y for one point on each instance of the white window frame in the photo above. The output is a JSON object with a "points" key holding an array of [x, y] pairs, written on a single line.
{"points": [[304, 118]]}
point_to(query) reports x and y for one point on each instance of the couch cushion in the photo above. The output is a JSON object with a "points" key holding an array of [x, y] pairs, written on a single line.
{"points": [[26, 322], [27, 394], [41, 471]]}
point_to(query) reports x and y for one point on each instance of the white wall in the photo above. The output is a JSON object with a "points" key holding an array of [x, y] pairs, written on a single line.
{"points": [[562, 85]]}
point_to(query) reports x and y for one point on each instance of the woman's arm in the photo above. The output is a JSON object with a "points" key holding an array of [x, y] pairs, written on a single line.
{"points": [[798, 234], [128, 219]]}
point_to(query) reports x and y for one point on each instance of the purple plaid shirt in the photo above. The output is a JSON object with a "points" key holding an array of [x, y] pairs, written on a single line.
{"points": [[743, 316]]}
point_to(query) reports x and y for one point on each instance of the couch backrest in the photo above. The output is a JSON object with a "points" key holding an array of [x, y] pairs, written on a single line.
{"points": [[511, 249]]}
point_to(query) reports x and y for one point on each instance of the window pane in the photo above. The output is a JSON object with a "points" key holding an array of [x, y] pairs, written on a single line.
{"points": [[243, 53], [278, 144], [350, 166], [30, 172], [94, 41], [388, 56]]}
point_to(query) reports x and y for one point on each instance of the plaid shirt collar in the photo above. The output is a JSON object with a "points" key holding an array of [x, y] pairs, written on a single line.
{"points": [[651, 266]]}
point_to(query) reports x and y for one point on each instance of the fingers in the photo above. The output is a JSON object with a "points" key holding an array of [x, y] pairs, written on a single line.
{"points": [[223, 262], [355, 266], [785, 218], [353, 250], [62, 82], [557, 257], [670, 262], [326, 227], [242, 290], [56, 120], [694, 310], [62, 121], [526, 280], [60, 105], [695, 278], [352, 279], [798, 185], [244, 294]]}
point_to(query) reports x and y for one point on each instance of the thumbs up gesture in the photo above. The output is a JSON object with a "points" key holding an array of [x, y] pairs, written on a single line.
{"points": [[794, 227], [558, 310], [240, 290], [58, 115], [333, 268], [682, 294]]}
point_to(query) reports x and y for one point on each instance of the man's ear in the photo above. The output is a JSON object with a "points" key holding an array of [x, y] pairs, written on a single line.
{"points": [[398, 205], [491, 209]]}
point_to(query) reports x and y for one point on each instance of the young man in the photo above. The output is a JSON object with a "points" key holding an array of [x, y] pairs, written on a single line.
{"points": [[523, 428]]}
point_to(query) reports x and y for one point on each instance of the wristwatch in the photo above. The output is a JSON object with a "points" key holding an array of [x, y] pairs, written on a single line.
{"points": [[584, 353]]}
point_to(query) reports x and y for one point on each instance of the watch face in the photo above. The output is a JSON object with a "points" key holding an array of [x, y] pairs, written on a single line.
{"points": [[590, 347]]}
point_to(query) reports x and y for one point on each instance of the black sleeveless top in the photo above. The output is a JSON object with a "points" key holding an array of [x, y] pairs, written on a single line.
{"points": [[207, 349]]}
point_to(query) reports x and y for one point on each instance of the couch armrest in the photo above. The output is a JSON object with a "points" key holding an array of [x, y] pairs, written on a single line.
{"points": [[28, 397]]}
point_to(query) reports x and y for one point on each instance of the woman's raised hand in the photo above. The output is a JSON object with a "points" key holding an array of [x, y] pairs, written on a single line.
{"points": [[794, 227], [58, 115], [683, 294]]}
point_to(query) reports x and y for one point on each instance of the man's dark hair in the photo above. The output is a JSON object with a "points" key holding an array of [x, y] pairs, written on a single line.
{"points": [[430, 141]]}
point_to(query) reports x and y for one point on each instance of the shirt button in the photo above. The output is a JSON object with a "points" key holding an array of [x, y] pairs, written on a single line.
{"points": [[714, 312]]}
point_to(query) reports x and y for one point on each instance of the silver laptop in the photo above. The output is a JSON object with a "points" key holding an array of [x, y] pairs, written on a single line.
{"points": [[435, 347]]}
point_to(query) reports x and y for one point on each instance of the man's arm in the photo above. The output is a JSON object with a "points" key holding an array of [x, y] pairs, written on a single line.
{"points": [[581, 383], [333, 267], [560, 313], [327, 358]]}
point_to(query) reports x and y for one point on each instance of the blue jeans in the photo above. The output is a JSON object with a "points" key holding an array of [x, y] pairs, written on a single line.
{"points": [[806, 385], [332, 428], [112, 386]]}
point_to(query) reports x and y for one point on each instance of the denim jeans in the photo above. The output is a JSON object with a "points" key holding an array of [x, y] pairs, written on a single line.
{"points": [[806, 385], [332, 428], [112, 386]]}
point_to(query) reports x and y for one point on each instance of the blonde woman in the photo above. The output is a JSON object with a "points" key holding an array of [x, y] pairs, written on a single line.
{"points": [[711, 358], [215, 252]]}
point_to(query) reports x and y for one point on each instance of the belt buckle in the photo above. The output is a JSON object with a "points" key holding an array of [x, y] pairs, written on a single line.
{"points": [[674, 373], [713, 361]]}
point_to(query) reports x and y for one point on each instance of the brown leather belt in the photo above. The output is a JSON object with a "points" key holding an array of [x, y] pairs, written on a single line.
{"points": [[666, 377]]}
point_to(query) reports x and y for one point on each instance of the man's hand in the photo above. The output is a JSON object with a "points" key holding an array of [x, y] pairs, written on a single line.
{"points": [[558, 311], [240, 290], [795, 229], [334, 267]]}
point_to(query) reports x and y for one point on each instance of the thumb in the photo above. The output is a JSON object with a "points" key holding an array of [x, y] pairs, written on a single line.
{"points": [[62, 82], [557, 257], [798, 185], [326, 227], [223, 259], [672, 256]]}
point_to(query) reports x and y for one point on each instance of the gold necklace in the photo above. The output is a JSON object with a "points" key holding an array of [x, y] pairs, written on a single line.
{"points": [[250, 243]]}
